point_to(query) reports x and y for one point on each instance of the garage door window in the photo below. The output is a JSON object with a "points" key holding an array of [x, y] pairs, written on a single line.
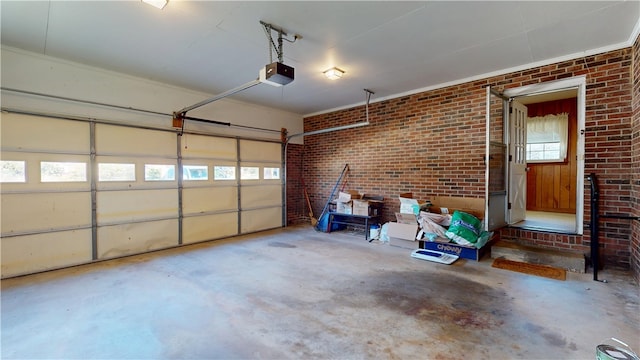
{"points": [[63, 171], [13, 171], [224, 173], [159, 172], [270, 173], [195, 172], [116, 172], [249, 173]]}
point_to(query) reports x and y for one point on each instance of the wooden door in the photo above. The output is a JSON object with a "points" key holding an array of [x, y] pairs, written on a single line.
{"points": [[551, 186]]}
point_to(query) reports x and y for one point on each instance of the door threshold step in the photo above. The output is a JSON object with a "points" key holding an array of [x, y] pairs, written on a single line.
{"points": [[570, 261]]}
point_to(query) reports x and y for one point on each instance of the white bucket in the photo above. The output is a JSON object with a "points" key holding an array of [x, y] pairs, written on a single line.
{"points": [[614, 352], [374, 232]]}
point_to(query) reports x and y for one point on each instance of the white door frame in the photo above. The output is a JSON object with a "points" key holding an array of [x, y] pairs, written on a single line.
{"points": [[579, 83]]}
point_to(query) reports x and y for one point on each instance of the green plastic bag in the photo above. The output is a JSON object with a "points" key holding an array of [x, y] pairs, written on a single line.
{"points": [[465, 229]]}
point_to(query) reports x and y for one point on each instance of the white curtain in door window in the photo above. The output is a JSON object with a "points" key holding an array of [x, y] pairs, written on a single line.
{"points": [[549, 128]]}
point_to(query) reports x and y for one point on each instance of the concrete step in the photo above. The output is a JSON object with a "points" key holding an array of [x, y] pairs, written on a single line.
{"points": [[569, 261]]}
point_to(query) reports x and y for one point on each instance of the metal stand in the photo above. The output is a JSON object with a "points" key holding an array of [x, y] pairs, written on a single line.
{"points": [[594, 225]]}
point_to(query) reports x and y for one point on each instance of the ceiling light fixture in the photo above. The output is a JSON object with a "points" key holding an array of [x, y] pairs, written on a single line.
{"points": [[160, 4], [334, 73]]}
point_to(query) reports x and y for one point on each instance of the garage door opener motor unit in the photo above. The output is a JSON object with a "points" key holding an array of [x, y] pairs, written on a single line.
{"points": [[276, 74]]}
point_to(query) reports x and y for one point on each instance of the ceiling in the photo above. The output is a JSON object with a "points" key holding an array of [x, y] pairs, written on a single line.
{"points": [[391, 48]]}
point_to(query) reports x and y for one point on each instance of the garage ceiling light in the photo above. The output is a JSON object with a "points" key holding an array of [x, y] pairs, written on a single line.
{"points": [[160, 4], [334, 73]]}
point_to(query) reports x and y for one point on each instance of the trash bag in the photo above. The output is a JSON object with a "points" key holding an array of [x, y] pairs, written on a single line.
{"points": [[440, 219], [465, 228], [431, 227], [384, 236], [483, 239]]}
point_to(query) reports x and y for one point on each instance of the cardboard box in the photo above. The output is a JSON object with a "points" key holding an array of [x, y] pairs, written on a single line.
{"points": [[375, 202], [361, 207], [403, 235], [348, 195], [406, 218], [405, 244], [344, 207], [409, 205], [402, 231], [449, 204], [465, 252], [344, 202]]}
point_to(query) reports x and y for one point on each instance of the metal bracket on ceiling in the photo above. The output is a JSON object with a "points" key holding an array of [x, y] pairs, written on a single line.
{"points": [[268, 29], [368, 96]]}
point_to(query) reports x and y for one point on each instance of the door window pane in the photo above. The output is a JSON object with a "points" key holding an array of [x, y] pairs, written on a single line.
{"points": [[116, 172], [63, 171], [544, 152], [159, 172], [13, 171]]}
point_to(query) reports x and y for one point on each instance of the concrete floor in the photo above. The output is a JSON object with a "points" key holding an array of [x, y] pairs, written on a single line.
{"points": [[299, 294]]}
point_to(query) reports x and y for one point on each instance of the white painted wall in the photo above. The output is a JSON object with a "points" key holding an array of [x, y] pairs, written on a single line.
{"points": [[43, 74]]}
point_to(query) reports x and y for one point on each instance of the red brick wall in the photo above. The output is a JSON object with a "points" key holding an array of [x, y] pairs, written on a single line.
{"points": [[297, 212], [635, 153], [433, 143], [410, 146]]}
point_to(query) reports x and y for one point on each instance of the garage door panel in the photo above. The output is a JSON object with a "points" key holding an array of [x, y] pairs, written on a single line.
{"points": [[260, 151], [248, 169], [136, 205], [34, 133], [39, 252], [263, 219], [32, 166], [208, 227], [260, 196], [134, 238], [136, 173], [45, 211], [120, 140], [199, 146], [202, 200]]}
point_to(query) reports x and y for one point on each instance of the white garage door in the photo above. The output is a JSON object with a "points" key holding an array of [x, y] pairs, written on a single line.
{"points": [[260, 185], [46, 194], [137, 190], [210, 187], [75, 192]]}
